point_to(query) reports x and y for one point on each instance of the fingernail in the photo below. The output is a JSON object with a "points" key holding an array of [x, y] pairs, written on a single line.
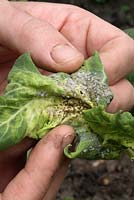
{"points": [[67, 140], [64, 53]]}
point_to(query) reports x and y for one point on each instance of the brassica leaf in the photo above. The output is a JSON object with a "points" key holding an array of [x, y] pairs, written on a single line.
{"points": [[33, 104]]}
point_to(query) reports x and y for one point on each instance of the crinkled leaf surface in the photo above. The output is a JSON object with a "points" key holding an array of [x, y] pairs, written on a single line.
{"points": [[32, 104]]}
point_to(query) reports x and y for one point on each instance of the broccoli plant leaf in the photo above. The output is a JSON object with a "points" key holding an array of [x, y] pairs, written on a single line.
{"points": [[104, 135], [33, 104], [113, 129]]}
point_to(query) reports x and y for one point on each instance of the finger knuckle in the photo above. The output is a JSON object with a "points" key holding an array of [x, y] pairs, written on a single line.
{"points": [[29, 31]]}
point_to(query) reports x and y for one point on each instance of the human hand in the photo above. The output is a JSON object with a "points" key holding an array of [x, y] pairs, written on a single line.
{"points": [[44, 171]]}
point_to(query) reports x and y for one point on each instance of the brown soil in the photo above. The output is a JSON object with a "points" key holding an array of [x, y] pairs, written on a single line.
{"points": [[99, 180]]}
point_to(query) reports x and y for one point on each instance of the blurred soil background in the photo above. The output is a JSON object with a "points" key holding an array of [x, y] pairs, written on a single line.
{"points": [[101, 180]]}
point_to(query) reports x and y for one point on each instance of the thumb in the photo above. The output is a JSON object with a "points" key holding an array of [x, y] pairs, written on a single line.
{"points": [[48, 47], [34, 180]]}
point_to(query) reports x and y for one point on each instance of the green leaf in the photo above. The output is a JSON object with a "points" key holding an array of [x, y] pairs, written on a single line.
{"points": [[130, 77], [33, 104], [96, 67], [25, 63], [69, 198], [110, 135], [130, 32], [116, 129]]}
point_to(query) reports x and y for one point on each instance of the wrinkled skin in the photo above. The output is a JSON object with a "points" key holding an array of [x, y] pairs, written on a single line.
{"points": [[30, 30]]}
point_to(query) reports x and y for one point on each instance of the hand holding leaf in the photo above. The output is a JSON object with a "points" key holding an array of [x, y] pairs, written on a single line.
{"points": [[33, 104]]}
